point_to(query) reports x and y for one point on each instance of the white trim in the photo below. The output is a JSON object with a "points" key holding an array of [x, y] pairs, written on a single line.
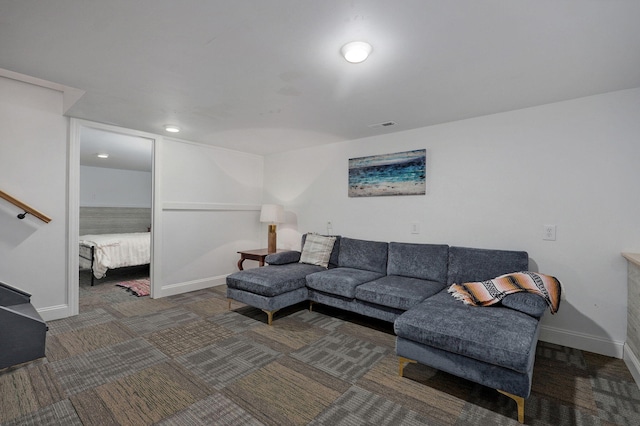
{"points": [[582, 341], [51, 313], [170, 205], [70, 95], [125, 206], [183, 287], [155, 272], [73, 219], [632, 363], [73, 222]]}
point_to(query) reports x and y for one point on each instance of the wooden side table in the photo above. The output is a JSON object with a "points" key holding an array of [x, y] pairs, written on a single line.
{"points": [[257, 254]]}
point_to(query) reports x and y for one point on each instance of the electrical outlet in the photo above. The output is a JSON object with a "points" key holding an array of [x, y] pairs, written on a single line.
{"points": [[549, 232]]}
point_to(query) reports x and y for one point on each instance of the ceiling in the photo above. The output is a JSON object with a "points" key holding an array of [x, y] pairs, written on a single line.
{"points": [[267, 76], [125, 152]]}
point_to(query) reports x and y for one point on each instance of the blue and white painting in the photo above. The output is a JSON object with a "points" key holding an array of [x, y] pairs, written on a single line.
{"points": [[401, 173]]}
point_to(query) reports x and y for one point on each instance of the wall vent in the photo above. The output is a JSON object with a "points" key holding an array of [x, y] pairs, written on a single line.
{"points": [[385, 124]]}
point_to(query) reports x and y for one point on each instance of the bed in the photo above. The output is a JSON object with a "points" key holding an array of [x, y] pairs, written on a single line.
{"points": [[113, 237], [101, 252]]}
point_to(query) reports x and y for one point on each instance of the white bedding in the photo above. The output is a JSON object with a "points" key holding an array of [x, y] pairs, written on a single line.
{"points": [[116, 251]]}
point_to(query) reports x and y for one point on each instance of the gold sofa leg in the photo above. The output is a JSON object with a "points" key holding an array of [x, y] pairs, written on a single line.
{"points": [[520, 401], [402, 362], [269, 315], [311, 305], [229, 303]]}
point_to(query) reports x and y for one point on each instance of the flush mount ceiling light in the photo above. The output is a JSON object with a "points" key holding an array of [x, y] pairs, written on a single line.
{"points": [[101, 155], [356, 51], [171, 128]]}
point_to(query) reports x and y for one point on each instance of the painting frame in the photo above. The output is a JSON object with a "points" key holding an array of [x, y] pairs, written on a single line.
{"points": [[395, 174]]}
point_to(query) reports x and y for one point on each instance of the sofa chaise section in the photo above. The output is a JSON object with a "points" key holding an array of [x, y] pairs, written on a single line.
{"points": [[271, 287], [280, 284], [493, 346]]}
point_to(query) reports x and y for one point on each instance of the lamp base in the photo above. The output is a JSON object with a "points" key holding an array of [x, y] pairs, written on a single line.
{"points": [[271, 247]]}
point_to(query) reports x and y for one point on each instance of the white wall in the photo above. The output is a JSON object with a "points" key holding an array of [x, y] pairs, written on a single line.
{"points": [[33, 168], [211, 199], [103, 187], [493, 182], [209, 204]]}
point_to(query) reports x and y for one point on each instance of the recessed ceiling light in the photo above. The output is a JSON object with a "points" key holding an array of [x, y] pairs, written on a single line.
{"points": [[171, 128], [356, 51], [102, 155]]}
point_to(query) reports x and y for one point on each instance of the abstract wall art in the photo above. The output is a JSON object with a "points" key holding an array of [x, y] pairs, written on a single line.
{"points": [[400, 173]]}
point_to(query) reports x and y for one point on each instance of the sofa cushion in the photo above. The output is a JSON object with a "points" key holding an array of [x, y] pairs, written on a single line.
{"points": [[317, 250], [272, 280], [397, 292], [425, 261], [474, 264], [340, 281], [363, 254], [493, 334]]}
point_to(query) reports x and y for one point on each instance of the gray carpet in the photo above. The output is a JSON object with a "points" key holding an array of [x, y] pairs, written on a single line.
{"points": [[188, 360]]}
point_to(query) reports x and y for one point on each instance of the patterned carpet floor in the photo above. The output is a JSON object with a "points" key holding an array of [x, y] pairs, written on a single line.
{"points": [[188, 360]]}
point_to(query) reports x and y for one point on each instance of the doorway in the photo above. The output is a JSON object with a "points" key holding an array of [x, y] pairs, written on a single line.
{"points": [[111, 192]]}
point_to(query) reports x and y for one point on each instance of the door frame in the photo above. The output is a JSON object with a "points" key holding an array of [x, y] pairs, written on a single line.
{"points": [[73, 196]]}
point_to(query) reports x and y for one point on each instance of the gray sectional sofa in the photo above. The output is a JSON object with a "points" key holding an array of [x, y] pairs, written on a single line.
{"points": [[407, 284]]}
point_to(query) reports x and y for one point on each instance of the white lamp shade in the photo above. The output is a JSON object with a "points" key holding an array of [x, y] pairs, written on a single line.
{"points": [[272, 213]]}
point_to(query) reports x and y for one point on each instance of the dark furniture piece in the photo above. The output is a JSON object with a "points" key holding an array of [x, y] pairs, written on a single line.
{"points": [[258, 255], [407, 284], [22, 331]]}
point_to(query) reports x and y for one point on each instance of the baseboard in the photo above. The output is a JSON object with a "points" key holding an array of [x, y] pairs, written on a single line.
{"points": [[51, 313], [183, 287], [632, 363], [584, 342]]}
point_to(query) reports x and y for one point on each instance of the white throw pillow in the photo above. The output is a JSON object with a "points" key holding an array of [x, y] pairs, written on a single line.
{"points": [[317, 250]]}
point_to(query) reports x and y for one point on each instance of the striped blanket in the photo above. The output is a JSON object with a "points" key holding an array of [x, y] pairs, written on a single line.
{"points": [[485, 293]]}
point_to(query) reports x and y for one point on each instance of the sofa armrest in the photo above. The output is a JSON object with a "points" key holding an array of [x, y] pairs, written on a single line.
{"points": [[283, 258], [528, 303]]}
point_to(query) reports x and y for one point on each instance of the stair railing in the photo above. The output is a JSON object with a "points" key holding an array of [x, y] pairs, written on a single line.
{"points": [[27, 209]]}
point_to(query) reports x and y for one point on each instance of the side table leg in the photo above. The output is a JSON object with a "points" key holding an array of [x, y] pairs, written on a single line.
{"points": [[240, 263]]}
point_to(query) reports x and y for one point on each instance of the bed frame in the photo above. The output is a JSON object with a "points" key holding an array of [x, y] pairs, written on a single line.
{"points": [[88, 256]]}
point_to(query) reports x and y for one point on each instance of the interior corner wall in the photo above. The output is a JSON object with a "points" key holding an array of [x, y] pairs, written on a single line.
{"points": [[494, 182], [104, 187], [33, 169], [211, 201]]}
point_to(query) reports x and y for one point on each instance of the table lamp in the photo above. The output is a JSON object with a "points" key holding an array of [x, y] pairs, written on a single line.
{"points": [[272, 214]]}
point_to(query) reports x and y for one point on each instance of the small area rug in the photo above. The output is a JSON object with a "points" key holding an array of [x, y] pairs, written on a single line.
{"points": [[139, 287]]}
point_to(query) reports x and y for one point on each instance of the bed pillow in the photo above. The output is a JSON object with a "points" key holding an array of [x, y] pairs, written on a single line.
{"points": [[317, 250]]}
